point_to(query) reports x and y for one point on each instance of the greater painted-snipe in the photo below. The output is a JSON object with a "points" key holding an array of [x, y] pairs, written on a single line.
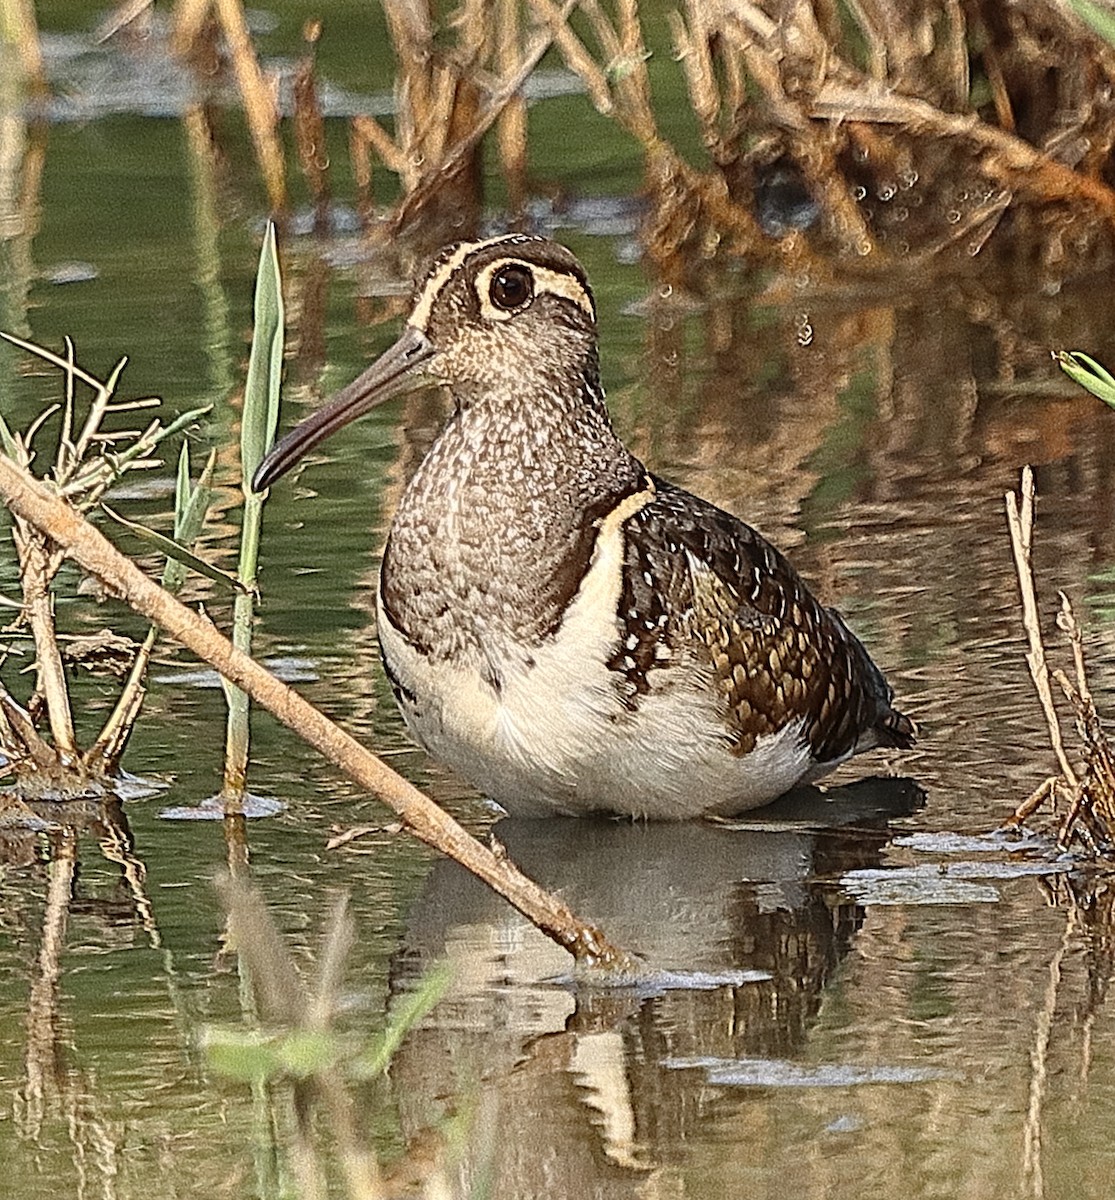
{"points": [[567, 631]]}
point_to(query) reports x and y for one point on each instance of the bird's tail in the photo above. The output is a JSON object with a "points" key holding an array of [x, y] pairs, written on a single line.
{"points": [[895, 729]]}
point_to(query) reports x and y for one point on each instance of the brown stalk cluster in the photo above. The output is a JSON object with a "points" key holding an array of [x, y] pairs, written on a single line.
{"points": [[1082, 794], [894, 141], [878, 146], [38, 740], [868, 137]]}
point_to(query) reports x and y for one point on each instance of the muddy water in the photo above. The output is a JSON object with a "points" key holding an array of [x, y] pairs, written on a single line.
{"points": [[863, 990]]}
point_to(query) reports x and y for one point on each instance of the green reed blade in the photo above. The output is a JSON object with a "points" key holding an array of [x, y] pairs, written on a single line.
{"points": [[177, 553], [1088, 373], [259, 421]]}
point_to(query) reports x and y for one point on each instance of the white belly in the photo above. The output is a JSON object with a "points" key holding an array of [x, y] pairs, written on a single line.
{"points": [[556, 737]]}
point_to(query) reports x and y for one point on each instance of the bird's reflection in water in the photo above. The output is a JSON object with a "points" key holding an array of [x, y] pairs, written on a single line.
{"points": [[579, 1077]]}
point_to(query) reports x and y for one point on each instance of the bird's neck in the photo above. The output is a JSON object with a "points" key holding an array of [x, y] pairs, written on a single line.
{"points": [[497, 527]]}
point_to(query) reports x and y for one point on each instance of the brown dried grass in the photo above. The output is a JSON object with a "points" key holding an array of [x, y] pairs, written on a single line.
{"points": [[1082, 794], [993, 109]]}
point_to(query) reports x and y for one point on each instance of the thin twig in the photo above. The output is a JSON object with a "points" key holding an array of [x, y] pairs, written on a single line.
{"points": [[36, 572], [1021, 522], [1046, 789]]}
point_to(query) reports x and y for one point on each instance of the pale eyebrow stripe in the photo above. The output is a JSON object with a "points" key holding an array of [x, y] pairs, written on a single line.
{"points": [[557, 283], [420, 317]]}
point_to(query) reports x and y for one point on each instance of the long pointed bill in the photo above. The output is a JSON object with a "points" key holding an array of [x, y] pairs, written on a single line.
{"points": [[394, 371]]}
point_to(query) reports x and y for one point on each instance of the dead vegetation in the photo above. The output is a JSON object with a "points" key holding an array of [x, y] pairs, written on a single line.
{"points": [[859, 138], [38, 738], [891, 139], [1081, 796]]}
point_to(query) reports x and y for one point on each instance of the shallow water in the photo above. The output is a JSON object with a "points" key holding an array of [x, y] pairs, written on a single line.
{"points": [[860, 991]]}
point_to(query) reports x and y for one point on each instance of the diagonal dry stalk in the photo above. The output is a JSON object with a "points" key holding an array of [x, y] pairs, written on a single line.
{"points": [[447, 102], [1090, 789], [67, 529], [261, 108], [1021, 520]]}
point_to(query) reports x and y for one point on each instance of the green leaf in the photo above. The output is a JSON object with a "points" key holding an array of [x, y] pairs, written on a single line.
{"points": [[1097, 17], [178, 553], [241, 1054], [190, 516], [182, 488], [1088, 373], [377, 1058], [190, 506], [251, 1054], [305, 1052], [265, 364]]}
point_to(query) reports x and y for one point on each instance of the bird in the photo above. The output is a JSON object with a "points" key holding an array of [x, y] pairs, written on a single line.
{"points": [[570, 633]]}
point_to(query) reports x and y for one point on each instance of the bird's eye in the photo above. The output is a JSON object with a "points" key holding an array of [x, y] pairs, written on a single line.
{"points": [[511, 287]]}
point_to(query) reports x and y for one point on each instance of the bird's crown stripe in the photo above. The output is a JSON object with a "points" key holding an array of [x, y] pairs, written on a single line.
{"points": [[559, 283], [442, 274]]}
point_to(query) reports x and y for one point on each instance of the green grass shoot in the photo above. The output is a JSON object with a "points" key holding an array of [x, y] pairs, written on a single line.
{"points": [[1088, 373], [259, 421]]}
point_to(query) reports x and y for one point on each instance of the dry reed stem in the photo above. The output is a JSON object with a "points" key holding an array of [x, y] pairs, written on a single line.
{"points": [[1007, 158], [626, 58], [373, 133], [126, 13], [187, 24], [1100, 759], [309, 126], [1021, 523], [577, 58], [36, 570], [29, 743], [459, 150], [260, 108], [23, 32], [1066, 620], [79, 540], [511, 127], [105, 753], [1046, 790], [691, 37], [1090, 814]]}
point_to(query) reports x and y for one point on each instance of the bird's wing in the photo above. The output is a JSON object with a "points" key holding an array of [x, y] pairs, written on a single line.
{"points": [[703, 588]]}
